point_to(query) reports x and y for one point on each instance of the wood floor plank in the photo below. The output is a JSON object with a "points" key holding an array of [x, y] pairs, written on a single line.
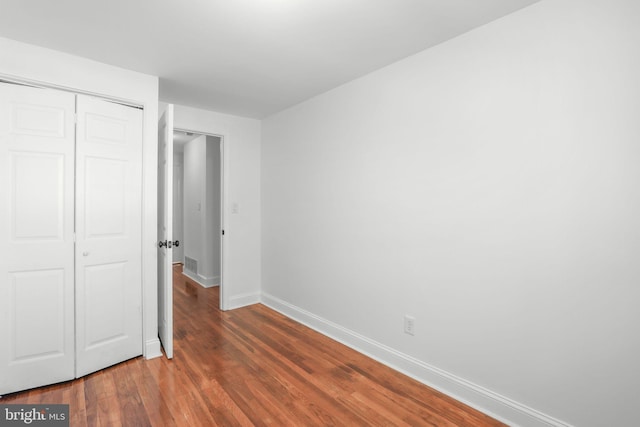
{"points": [[250, 367]]}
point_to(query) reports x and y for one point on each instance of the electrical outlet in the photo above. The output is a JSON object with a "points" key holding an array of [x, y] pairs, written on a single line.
{"points": [[409, 325]]}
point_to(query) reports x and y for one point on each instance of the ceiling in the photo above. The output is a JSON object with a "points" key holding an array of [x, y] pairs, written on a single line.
{"points": [[246, 57]]}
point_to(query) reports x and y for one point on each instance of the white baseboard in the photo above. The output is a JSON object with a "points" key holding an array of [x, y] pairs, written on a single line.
{"points": [[243, 300], [208, 282], [493, 404], [152, 349], [205, 282]]}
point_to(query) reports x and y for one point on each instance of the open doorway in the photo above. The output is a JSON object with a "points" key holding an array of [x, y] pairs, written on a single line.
{"points": [[197, 205]]}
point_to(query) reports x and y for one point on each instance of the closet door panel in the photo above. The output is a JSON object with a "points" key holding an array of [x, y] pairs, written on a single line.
{"points": [[105, 198], [38, 205], [105, 298], [108, 226], [37, 295], [36, 238]]}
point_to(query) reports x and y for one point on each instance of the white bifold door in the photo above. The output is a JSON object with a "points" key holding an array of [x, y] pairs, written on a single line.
{"points": [[70, 241]]}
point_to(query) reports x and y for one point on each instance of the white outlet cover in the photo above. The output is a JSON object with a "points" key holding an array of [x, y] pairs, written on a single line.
{"points": [[409, 325]]}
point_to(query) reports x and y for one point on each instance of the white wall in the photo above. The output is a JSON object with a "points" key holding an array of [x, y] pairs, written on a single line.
{"points": [[52, 68], [178, 206], [241, 170], [194, 199], [488, 187]]}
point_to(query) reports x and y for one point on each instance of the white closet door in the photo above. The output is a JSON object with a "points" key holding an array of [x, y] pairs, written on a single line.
{"points": [[36, 237], [108, 228]]}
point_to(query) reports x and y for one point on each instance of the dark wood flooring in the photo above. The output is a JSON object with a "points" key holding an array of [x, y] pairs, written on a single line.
{"points": [[250, 366]]}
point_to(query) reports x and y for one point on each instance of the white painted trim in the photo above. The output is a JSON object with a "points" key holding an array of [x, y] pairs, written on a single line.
{"points": [[243, 300], [223, 204], [152, 349], [205, 282], [208, 282], [478, 397], [45, 85]]}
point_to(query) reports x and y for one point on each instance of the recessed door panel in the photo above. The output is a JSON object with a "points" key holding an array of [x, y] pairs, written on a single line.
{"points": [[38, 193], [105, 293], [105, 129], [36, 238], [105, 197], [37, 295], [38, 120]]}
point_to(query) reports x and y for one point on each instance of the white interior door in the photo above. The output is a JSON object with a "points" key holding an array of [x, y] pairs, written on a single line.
{"points": [[36, 241], [165, 225], [109, 239]]}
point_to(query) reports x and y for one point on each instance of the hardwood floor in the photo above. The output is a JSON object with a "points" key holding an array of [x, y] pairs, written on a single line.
{"points": [[250, 366]]}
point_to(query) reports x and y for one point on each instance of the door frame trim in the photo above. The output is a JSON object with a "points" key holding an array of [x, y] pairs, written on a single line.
{"points": [[40, 85], [223, 202]]}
